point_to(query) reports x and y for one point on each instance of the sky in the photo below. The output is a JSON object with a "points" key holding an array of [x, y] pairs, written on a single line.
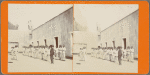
{"points": [[101, 15], [20, 14], [90, 15]]}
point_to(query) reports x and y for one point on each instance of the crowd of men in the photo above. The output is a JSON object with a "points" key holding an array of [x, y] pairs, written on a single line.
{"points": [[114, 54], [42, 52]]}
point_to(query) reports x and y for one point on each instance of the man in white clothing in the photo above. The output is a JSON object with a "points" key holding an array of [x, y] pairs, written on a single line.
{"points": [[59, 52], [63, 52], [132, 54], [84, 53]]}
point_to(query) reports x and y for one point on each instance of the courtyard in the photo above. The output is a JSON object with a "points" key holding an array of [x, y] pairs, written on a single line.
{"points": [[29, 64]]}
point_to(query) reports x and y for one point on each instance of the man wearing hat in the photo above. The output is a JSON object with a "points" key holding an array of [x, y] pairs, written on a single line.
{"points": [[52, 54], [92, 52]]}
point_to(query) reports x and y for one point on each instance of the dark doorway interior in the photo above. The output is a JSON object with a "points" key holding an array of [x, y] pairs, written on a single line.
{"points": [[38, 43], [124, 42], [56, 40], [113, 44], [106, 44], [45, 42]]}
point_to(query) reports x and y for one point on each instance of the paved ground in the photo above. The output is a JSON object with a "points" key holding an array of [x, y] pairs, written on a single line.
{"points": [[29, 64], [93, 64]]}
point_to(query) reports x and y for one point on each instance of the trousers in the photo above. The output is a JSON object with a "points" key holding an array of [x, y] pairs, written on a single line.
{"points": [[119, 59], [52, 59]]}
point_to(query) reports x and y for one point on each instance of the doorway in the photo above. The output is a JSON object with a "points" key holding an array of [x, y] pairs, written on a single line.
{"points": [[56, 42], [124, 43], [45, 42], [38, 43], [106, 44], [113, 43]]}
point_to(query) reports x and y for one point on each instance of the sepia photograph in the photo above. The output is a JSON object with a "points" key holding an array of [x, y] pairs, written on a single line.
{"points": [[40, 37], [74, 37], [105, 38]]}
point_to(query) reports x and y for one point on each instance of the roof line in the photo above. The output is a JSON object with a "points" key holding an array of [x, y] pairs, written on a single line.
{"points": [[52, 18], [119, 20]]}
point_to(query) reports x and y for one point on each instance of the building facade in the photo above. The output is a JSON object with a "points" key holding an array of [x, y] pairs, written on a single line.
{"points": [[82, 37], [18, 38], [86, 39], [57, 31], [123, 33]]}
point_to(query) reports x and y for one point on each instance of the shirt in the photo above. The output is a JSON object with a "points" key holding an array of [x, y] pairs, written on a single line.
{"points": [[56, 49]]}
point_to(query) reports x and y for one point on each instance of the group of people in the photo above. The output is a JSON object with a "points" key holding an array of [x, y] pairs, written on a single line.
{"points": [[111, 54], [42, 52]]}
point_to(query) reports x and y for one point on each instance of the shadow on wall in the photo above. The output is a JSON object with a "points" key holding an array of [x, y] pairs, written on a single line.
{"points": [[67, 57]]}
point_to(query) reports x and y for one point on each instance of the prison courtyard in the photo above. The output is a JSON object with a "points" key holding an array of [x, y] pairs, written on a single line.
{"points": [[29, 64], [92, 64]]}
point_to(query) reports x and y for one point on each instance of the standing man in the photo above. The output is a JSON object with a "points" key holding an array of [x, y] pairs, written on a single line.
{"points": [[128, 53], [52, 54], [101, 52], [84, 54], [132, 54], [80, 54], [107, 53], [92, 53], [124, 54], [14, 54], [110, 54], [98, 53], [59, 52], [119, 55], [41, 50], [115, 54], [63, 52]]}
